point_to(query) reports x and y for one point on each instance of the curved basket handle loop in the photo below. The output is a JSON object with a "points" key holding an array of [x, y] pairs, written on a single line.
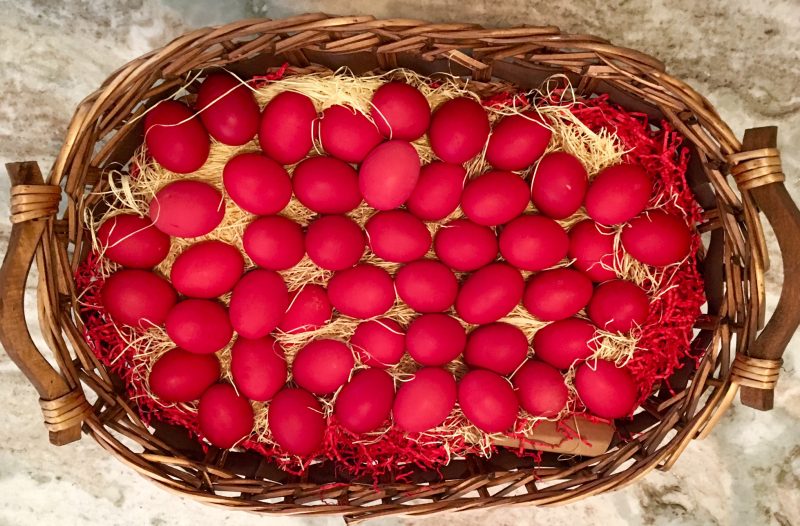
{"points": [[32, 204]]}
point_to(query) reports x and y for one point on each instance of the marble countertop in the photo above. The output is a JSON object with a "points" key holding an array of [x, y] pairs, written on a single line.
{"points": [[742, 55]]}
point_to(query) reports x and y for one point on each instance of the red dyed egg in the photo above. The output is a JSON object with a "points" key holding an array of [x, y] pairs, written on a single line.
{"points": [[335, 242], [618, 306], [285, 132], [540, 389], [309, 309], [563, 342], [296, 422], [657, 238], [495, 198], [438, 191], [488, 401], [323, 366], [137, 297], [274, 242], [326, 185], [458, 130], [400, 111], [557, 294], [199, 326], [606, 390], [364, 403], [464, 246], [132, 241], [426, 286], [258, 303], [379, 343], [533, 242], [398, 236], [362, 292], [180, 376], [228, 109], [592, 247], [559, 185], [490, 293], [175, 137], [435, 339], [258, 367], [224, 417], [257, 184], [618, 194], [517, 141], [425, 401], [347, 134], [389, 174], [499, 347], [187, 208], [207, 269]]}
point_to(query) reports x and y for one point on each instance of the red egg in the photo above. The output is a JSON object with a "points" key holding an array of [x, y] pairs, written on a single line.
{"points": [[132, 241], [435, 339], [258, 303], [533, 242], [180, 376], [309, 309], [438, 191], [400, 111], [557, 294], [365, 402], [388, 175], [490, 293], [559, 185], [199, 326], [495, 198], [137, 297], [257, 184], [563, 342], [592, 247], [274, 242], [618, 306], [296, 422], [499, 347], [424, 401], [347, 134], [657, 238], [606, 390], [187, 208], [285, 132], [323, 366], [517, 141], [363, 291], [464, 246], [224, 417], [540, 389], [335, 242], [207, 269], [326, 185], [258, 367], [379, 343], [228, 109], [618, 193], [488, 401], [458, 130], [175, 137], [398, 236], [426, 286]]}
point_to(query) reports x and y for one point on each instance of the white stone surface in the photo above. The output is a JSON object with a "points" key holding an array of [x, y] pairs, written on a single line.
{"points": [[742, 55]]}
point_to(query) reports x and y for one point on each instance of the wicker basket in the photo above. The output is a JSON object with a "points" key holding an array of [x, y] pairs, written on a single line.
{"points": [[741, 350]]}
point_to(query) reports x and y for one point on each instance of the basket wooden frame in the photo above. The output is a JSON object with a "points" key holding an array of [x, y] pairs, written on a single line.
{"points": [[741, 350]]}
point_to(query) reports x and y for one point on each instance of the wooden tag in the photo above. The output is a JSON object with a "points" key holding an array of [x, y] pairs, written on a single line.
{"points": [[594, 440]]}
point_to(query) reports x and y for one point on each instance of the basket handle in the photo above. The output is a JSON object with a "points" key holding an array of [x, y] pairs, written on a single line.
{"points": [[757, 170], [33, 204]]}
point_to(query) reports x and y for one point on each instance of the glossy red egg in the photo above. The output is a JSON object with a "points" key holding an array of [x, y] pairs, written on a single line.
{"points": [[285, 131], [426, 285], [388, 175], [563, 342], [181, 376], [495, 198], [379, 343], [397, 236], [225, 418], [258, 367], [365, 402], [309, 309], [533, 242], [257, 184], [606, 390], [592, 247], [557, 294], [323, 366], [137, 297], [657, 238], [458, 130], [199, 326], [488, 401], [363, 291], [132, 241], [207, 269], [335, 242], [464, 246], [540, 389], [618, 306], [517, 141], [296, 421], [424, 401], [347, 134], [559, 185], [228, 109], [490, 293], [438, 191], [326, 185], [274, 242], [435, 339], [400, 111], [187, 208], [499, 347], [176, 138], [618, 193], [258, 303]]}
